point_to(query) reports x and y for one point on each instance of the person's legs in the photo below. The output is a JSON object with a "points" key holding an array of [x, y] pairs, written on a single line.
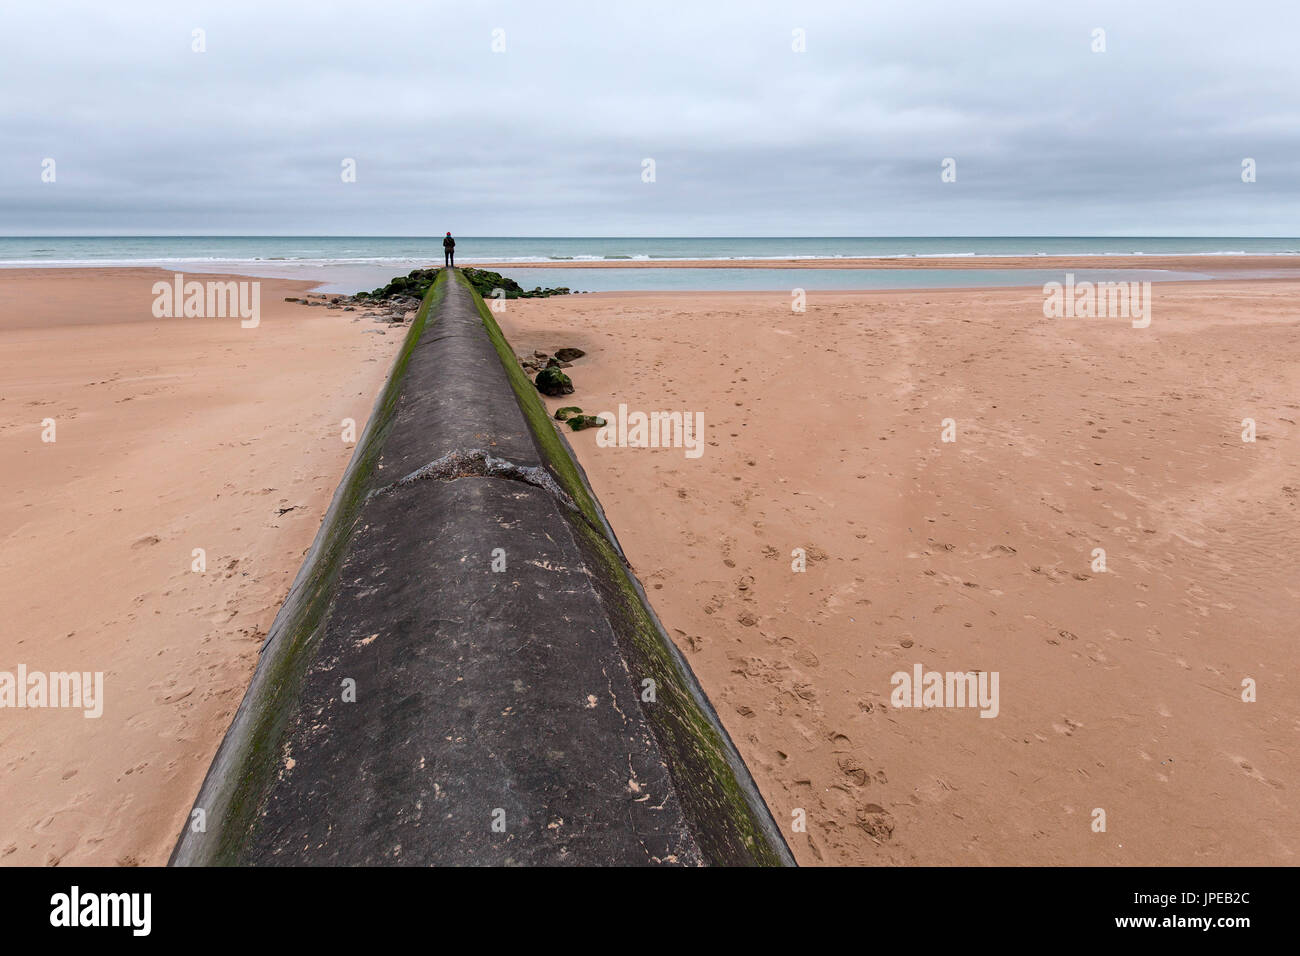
{"points": [[446, 257]]}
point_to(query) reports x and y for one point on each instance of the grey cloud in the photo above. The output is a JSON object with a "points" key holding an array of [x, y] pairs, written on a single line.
{"points": [[749, 137]]}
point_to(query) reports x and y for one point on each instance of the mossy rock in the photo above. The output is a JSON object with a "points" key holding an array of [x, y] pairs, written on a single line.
{"points": [[551, 381], [416, 284], [486, 283], [562, 413], [579, 422]]}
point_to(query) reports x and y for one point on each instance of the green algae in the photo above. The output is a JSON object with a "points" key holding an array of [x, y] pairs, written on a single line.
{"points": [[727, 815], [251, 756], [579, 422], [730, 820]]}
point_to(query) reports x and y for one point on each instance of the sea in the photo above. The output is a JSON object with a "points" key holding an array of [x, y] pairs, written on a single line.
{"points": [[352, 263]]}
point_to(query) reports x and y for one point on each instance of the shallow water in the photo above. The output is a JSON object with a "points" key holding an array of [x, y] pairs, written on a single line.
{"points": [[771, 280]]}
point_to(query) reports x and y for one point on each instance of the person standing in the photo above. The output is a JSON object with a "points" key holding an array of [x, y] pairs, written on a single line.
{"points": [[449, 251]]}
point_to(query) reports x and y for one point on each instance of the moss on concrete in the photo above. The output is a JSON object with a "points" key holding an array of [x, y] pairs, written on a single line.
{"points": [[240, 775], [728, 816]]}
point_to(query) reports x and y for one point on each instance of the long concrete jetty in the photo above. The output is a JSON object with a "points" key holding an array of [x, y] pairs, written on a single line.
{"points": [[465, 670]]}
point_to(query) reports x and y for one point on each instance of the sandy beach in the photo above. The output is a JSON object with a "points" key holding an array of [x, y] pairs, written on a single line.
{"points": [[1121, 690], [170, 435]]}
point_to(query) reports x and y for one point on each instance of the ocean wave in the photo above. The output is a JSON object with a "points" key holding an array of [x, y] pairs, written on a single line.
{"points": [[406, 262]]}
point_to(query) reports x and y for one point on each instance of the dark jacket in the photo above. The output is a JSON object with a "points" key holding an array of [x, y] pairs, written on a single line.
{"points": [[449, 243]]}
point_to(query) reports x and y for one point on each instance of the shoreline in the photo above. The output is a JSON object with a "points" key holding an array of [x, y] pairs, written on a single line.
{"points": [[1238, 270], [1222, 261]]}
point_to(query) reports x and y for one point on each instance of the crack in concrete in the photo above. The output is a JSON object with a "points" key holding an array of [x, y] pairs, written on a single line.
{"points": [[479, 463]]}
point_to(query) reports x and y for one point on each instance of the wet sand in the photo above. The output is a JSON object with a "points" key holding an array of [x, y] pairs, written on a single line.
{"points": [[1220, 265]]}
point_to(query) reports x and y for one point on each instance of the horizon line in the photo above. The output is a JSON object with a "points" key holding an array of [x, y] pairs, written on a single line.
{"points": [[197, 235]]}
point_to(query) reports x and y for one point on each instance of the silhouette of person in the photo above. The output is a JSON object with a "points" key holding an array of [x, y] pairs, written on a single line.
{"points": [[449, 251]]}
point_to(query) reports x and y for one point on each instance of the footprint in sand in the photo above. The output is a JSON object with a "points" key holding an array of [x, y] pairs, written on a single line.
{"points": [[1067, 728], [852, 769], [173, 696], [1254, 774], [806, 658], [876, 821]]}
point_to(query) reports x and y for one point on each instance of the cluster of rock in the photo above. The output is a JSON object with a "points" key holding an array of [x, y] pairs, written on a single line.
{"points": [[551, 380], [487, 283], [394, 309], [413, 285], [400, 299], [573, 417]]}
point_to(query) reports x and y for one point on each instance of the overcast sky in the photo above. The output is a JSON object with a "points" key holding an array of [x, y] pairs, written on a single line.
{"points": [[748, 136]]}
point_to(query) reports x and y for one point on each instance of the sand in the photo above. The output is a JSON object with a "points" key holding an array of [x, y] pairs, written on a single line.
{"points": [[1119, 690], [172, 435]]}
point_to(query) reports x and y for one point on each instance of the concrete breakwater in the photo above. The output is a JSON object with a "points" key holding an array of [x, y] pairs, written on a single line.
{"points": [[465, 670]]}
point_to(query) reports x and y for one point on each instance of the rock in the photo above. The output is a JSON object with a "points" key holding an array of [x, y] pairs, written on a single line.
{"points": [[562, 413], [291, 299], [349, 308], [551, 381], [540, 355], [569, 354], [579, 422]]}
